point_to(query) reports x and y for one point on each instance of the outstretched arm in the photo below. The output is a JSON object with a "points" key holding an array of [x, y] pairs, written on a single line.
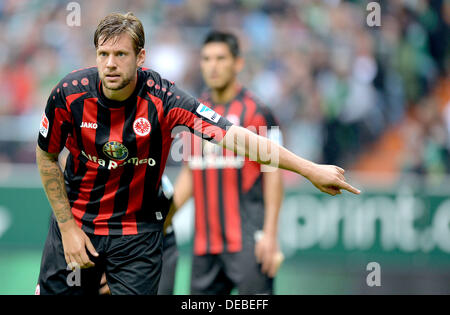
{"points": [[327, 178]]}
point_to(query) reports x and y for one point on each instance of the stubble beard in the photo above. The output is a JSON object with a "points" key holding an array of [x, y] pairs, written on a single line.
{"points": [[122, 85]]}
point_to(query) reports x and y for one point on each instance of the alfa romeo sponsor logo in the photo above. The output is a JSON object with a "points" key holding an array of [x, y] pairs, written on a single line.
{"points": [[142, 127], [115, 150]]}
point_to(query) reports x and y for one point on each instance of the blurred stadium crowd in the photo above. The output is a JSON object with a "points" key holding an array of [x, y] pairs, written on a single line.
{"points": [[336, 85]]}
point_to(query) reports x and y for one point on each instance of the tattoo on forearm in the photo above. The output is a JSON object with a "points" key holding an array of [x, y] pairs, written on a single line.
{"points": [[53, 181]]}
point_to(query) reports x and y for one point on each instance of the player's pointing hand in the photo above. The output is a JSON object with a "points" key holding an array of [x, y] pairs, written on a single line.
{"points": [[330, 179]]}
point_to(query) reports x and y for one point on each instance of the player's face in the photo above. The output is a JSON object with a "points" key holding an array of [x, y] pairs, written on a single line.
{"points": [[219, 67], [117, 62]]}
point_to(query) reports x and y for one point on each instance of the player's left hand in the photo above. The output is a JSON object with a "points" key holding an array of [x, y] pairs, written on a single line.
{"points": [[268, 254], [104, 288]]}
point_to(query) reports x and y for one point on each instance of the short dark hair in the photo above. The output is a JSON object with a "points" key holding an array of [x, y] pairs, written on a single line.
{"points": [[115, 24], [226, 38]]}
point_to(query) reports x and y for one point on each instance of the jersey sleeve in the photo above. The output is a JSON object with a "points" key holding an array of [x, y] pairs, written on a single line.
{"points": [[55, 123], [182, 109]]}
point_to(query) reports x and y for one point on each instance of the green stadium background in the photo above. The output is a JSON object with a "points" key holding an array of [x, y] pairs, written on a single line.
{"points": [[328, 242]]}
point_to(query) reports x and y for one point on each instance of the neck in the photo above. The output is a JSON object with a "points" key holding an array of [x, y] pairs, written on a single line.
{"points": [[226, 94], [122, 94]]}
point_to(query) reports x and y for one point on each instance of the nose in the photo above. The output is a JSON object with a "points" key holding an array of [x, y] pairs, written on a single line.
{"points": [[110, 62], [211, 65]]}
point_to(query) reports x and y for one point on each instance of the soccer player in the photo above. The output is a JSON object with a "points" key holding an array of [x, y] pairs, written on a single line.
{"points": [[236, 203], [116, 121]]}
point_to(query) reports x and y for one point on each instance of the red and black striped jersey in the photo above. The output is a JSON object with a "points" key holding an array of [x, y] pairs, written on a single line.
{"points": [[118, 150], [228, 191]]}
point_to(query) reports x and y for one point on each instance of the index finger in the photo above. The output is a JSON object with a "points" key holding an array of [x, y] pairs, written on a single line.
{"points": [[350, 188]]}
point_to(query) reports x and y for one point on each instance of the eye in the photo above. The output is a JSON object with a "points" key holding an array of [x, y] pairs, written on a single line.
{"points": [[120, 54], [102, 54]]}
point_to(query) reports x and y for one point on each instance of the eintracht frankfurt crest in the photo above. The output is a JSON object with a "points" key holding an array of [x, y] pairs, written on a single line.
{"points": [[142, 127]]}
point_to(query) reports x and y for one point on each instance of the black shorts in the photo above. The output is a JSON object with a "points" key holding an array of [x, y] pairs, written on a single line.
{"points": [[132, 264], [170, 259], [221, 273]]}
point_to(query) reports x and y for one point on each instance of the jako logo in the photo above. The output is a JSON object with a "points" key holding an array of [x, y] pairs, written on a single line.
{"points": [[88, 125]]}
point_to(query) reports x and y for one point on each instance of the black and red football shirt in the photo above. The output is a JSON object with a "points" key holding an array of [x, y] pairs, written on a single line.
{"points": [[228, 189], [118, 150]]}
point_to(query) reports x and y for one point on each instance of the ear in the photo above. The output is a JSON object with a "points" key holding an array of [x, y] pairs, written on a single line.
{"points": [[140, 58], [239, 64]]}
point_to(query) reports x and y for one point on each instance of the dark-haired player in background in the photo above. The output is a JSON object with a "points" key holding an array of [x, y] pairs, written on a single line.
{"points": [[116, 120], [236, 202]]}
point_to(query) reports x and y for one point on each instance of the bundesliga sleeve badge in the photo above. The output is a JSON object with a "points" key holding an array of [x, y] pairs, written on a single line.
{"points": [[208, 113], [43, 128]]}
